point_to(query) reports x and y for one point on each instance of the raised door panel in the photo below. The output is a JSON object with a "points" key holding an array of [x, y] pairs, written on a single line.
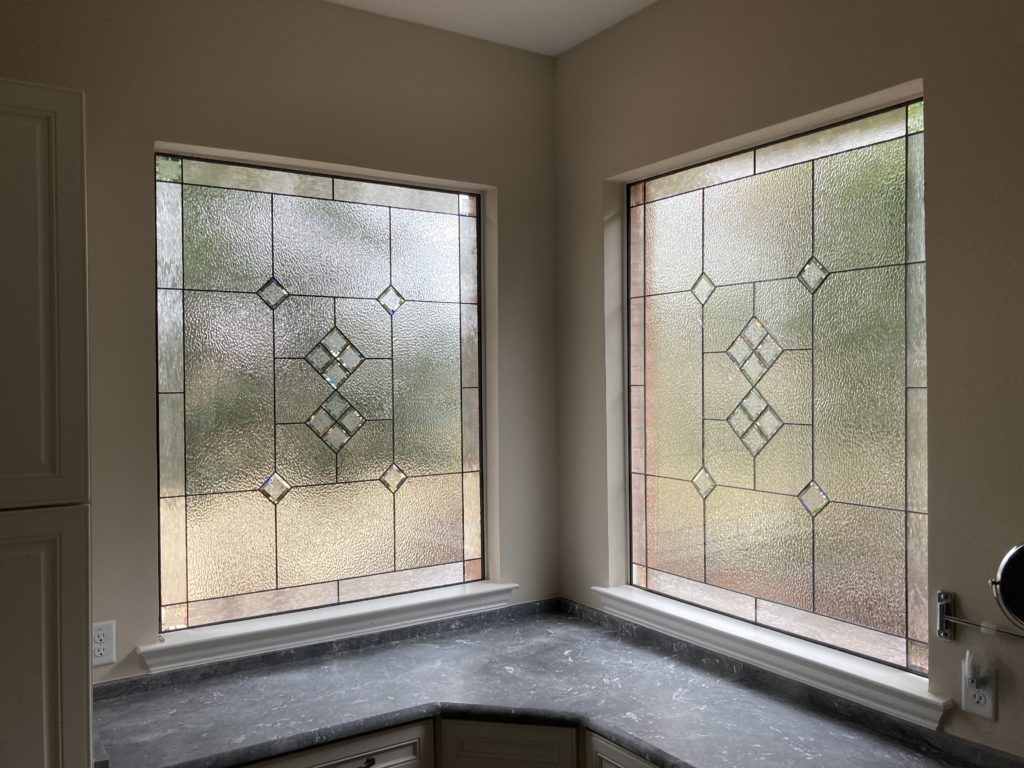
{"points": [[411, 746], [43, 441], [473, 744], [44, 601], [601, 753]]}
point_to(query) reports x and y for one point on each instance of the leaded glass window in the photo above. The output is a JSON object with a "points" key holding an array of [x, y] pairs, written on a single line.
{"points": [[318, 390], [778, 388]]}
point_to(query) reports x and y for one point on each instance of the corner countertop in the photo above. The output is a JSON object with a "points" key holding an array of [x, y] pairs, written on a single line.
{"points": [[547, 667]]}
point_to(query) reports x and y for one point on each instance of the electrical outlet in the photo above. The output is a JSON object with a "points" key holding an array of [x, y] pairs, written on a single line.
{"points": [[104, 646], [978, 688]]}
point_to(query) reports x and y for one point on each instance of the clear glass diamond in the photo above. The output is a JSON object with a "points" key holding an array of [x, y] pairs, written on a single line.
{"points": [[335, 374], [336, 405], [334, 342], [320, 421], [739, 351], [754, 404], [754, 441], [704, 482], [754, 332], [393, 478], [703, 288], [275, 488], [769, 423], [272, 293], [739, 421], [813, 498], [753, 369], [391, 299], [336, 437], [352, 420], [813, 275], [769, 350], [319, 358], [350, 358]]}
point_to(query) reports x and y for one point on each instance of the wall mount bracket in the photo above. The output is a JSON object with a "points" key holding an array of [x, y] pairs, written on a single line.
{"points": [[946, 622]]}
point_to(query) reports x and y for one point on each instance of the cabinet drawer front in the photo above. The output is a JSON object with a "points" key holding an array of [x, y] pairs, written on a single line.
{"points": [[471, 744], [407, 747], [601, 753]]}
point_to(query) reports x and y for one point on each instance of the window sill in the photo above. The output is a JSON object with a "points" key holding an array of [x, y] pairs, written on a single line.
{"points": [[892, 691], [219, 642]]}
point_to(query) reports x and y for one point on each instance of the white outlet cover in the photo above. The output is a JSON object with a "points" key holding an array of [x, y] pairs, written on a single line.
{"points": [[103, 643]]}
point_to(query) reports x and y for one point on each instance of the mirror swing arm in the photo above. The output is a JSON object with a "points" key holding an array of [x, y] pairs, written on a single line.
{"points": [[1008, 590]]}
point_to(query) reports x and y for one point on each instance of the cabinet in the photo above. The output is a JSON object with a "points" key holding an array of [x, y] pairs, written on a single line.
{"points": [[474, 744], [601, 753], [411, 746]]}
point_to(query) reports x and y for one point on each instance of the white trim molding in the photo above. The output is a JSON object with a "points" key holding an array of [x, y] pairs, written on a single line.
{"points": [[219, 642], [892, 691]]}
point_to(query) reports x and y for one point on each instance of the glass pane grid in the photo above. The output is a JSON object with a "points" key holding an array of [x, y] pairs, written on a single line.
{"points": [[319, 390], [792, 346]]}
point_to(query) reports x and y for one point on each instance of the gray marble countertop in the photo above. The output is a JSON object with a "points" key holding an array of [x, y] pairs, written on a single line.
{"points": [[547, 668]]}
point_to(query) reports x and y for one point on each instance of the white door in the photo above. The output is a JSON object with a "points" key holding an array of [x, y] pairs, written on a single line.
{"points": [[44, 482]]}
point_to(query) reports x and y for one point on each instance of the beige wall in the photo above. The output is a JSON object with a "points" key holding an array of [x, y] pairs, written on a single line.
{"points": [[303, 79], [685, 74]]}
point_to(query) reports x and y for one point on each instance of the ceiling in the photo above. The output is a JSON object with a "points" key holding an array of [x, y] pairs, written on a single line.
{"points": [[550, 27]]}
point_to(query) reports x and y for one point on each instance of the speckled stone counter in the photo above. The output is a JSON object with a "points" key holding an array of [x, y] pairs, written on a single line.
{"points": [[667, 703]]}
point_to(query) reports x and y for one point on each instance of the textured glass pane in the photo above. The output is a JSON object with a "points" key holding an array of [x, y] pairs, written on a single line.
{"points": [[425, 255], [173, 617], [324, 248], [636, 340], [673, 386], [471, 429], [673, 243], [258, 179], [725, 315], [168, 168], [302, 457], [917, 657], [172, 444], [300, 391], [859, 207], [471, 516], [428, 521], [787, 386], [784, 464], [170, 371], [917, 335], [858, 384], [759, 227], [917, 576], [724, 385], [636, 194], [365, 324], [368, 454], [637, 440], [262, 603], [638, 518], [725, 457], [784, 306], [706, 175], [917, 450], [473, 570], [915, 117], [470, 347], [857, 133], [859, 551], [168, 235], [395, 196], [369, 389], [469, 260], [636, 251], [173, 569], [675, 528], [639, 576], [915, 198], [760, 544], [866, 642], [334, 532], [227, 239], [300, 322], [230, 544], [702, 594], [229, 385], [402, 581], [428, 419]]}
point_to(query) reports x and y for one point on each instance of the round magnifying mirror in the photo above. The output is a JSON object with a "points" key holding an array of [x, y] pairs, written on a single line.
{"points": [[1008, 585]]}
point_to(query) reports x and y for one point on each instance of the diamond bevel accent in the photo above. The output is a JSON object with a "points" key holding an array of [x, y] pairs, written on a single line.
{"points": [[272, 293], [769, 423], [704, 482], [755, 350], [352, 421], [754, 369], [320, 421], [336, 405], [754, 404], [275, 488], [813, 498], [393, 478], [754, 332], [335, 374], [703, 288], [739, 421], [754, 422], [319, 358], [754, 440], [391, 299], [336, 438], [813, 274], [334, 342], [350, 358]]}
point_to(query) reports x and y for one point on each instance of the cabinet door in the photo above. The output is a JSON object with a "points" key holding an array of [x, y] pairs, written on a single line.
{"points": [[474, 744], [43, 442], [601, 753], [411, 746]]}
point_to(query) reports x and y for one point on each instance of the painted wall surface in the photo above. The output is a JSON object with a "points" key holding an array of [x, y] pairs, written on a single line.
{"points": [[303, 79], [680, 76]]}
